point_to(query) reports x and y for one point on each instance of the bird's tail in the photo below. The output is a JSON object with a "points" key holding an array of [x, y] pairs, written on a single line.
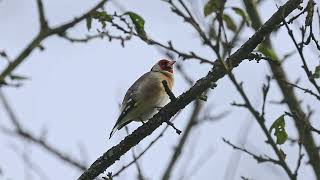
{"points": [[114, 129], [118, 126]]}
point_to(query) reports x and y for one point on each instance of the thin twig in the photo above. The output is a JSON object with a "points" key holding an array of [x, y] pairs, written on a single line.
{"points": [[43, 35], [309, 91], [168, 91], [142, 153], [23, 133], [139, 170], [42, 18], [265, 90], [113, 154], [299, 159], [300, 51], [100, 35], [259, 158], [175, 156]]}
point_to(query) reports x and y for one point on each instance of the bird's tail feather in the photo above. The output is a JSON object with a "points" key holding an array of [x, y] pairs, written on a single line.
{"points": [[114, 129], [118, 126]]}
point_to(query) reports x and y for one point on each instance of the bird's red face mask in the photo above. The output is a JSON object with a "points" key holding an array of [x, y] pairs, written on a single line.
{"points": [[166, 65]]}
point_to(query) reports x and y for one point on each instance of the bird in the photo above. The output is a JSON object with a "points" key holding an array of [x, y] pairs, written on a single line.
{"points": [[146, 96]]}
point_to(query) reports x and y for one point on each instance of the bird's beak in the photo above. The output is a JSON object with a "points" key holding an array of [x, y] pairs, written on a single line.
{"points": [[171, 63]]}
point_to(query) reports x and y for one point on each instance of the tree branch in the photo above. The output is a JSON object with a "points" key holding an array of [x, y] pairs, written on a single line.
{"points": [[23, 133], [113, 154], [259, 158], [309, 91], [42, 18], [288, 94], [43, 35], [300, 51], [168, 91], [175, 156]]}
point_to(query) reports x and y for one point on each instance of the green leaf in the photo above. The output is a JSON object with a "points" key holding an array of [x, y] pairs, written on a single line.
{"points": [[242, 13], [89, 22], [95, 14], [103, 17], [230, 23], [316, 73], [18, 77], [212, 6], [280, 132], [268, 52], [138, 22]]}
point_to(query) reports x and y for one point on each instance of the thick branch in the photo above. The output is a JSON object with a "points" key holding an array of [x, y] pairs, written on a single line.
{"points": [[113, 154]]}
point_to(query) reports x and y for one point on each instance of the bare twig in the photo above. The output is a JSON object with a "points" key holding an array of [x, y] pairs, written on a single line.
{"points": [[101, 35], [257, 57], [304, 123], [259, 118], [43, 34], [4, 55], [172, 98], [289, 97], [201, 161], [175, 156], [228, 46], [265, 90], [142, 153], [168, 91], [300, 51], [299, 159], [42, 18], [21, 132], [146, 149], [139, 170], [234, 160], [169, 46], [106, 160], [309, 91], [259, 158]]}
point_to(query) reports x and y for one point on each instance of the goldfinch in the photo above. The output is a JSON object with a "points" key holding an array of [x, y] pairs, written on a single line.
{"points": [[146, 96]]}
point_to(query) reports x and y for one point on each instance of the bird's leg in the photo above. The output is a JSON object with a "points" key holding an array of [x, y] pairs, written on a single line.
{"points": [[178, 131], [141, 121], [158, 108]]}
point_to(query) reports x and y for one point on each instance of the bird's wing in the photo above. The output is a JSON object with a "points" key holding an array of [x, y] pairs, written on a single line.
{"points": [[130, 102]]}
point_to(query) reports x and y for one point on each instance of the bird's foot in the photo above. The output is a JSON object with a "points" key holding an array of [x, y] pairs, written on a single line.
{"points": [[158, 108], [142, 122]]}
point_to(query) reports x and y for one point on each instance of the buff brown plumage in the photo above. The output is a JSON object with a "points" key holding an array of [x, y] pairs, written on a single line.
{"points": [[146, 96]]}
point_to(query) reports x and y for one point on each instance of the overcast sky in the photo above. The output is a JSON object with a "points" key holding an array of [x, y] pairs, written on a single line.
{"points": [[74, 91]]}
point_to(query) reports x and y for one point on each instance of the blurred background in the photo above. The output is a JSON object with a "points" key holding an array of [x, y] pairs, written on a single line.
{"points": [[73, 91]]}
